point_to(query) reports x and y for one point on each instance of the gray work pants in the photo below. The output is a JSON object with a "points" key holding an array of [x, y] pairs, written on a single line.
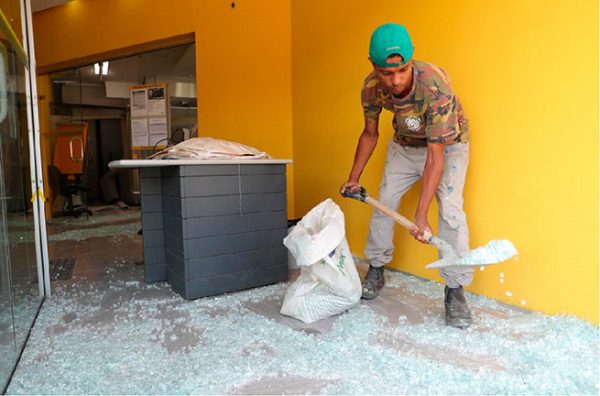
{"points": [[403, 167]]}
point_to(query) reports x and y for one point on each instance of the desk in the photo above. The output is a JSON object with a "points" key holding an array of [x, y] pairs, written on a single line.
{"points": [[213, 226]]}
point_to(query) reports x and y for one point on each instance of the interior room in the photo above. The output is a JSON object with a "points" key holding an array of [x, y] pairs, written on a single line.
{"points": [[136, 259], [90, 205], [95, 98]]}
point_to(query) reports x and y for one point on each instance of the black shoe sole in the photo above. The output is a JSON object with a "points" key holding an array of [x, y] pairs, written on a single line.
{"points": [[459, 324], [368, 298]]}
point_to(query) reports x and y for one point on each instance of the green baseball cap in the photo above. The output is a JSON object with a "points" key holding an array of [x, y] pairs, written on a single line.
{"points": [[387, 40]]}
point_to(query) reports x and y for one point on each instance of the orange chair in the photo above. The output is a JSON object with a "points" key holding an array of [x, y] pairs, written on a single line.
{"points": [[68, 165]]}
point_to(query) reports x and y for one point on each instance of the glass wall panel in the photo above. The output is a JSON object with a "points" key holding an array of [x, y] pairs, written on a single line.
{"points": [[19, 290], [8, 348]]}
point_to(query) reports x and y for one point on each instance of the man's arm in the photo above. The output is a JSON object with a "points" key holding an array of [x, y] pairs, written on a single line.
{"points": [[364, 149], [432, 174]]}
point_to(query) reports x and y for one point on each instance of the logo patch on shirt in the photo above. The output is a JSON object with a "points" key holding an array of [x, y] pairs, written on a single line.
{"points": [[413, 123]]}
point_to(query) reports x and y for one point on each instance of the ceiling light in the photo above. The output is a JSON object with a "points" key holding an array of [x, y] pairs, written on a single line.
{"points": [[101, 68], [105, 68]]}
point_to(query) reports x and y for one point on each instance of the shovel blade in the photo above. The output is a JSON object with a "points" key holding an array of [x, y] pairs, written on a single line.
{"points": [[443, 263], [492, 253]]}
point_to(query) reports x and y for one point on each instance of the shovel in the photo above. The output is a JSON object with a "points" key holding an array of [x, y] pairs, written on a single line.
{"points": [[492, 253]]}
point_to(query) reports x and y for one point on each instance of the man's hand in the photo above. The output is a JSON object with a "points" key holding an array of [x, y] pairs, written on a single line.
{"points": [[350, 185], [422, 225]]}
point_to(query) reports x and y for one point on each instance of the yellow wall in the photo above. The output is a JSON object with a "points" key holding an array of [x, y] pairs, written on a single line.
{"points": [[12, 12], [243, 58], [527, 74]]}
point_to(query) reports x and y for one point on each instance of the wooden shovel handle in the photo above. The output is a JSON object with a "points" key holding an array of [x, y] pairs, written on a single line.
{"points": [[398, 218]]}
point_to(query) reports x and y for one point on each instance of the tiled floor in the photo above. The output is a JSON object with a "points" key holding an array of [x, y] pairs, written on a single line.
{"points": [[106, 331]]}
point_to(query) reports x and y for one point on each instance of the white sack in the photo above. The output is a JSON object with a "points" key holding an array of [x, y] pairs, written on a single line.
{"points": [[328, 283], [210, 148]]}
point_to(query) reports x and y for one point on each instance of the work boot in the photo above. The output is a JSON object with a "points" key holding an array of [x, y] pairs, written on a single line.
{"points": [[458, 313], [373, 282]]}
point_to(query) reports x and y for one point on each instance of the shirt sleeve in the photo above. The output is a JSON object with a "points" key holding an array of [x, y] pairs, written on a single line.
{"points": [[442, 120], [368, 99]]}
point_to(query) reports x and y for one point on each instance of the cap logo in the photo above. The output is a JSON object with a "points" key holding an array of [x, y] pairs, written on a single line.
{"points": [[392, 48]]}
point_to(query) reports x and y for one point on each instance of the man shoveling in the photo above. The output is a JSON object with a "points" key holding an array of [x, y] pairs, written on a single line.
{"points": [[431, 142]]}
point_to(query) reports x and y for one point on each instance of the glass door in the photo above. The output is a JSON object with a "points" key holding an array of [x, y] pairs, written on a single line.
{"points": [[21, 285]]}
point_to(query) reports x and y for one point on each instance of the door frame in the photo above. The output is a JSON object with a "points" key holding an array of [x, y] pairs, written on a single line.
{"points": [[35, 159], [37, 179]]}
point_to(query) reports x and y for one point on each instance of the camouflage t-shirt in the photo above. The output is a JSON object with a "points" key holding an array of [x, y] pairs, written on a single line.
{"points": [[430, 113]]}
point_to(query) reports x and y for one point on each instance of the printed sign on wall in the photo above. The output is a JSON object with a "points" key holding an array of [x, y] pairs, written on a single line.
{"points": [[149, 116]]}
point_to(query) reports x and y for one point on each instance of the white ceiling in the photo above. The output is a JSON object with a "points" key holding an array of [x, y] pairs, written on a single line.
{"points": [[39, 5]]}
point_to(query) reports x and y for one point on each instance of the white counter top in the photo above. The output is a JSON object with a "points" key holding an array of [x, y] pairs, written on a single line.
{"points": [[145, 163]]}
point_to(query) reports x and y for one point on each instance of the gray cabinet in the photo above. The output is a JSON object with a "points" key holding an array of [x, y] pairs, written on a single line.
{"points": [[214, 228]]}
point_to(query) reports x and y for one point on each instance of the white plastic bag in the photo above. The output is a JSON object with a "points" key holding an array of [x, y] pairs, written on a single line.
{"points": [[328, 283], [207, 148]]}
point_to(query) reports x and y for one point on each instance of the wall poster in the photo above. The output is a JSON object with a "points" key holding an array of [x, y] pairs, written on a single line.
{"points": [[149, 116]]}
